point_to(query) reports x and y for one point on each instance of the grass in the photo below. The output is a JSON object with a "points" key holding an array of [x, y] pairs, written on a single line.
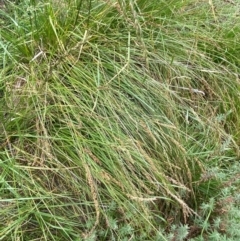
{"points": [[119, 120]]}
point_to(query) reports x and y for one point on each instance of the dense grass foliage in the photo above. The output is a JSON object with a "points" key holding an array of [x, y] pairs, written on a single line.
{"points": [[119, 120]]}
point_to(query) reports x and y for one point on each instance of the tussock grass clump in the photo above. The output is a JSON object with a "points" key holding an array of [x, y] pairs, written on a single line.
{"points": [[114, 115]]}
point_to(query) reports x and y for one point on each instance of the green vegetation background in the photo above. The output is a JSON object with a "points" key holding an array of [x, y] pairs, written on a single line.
{"points": [[119, 120]]}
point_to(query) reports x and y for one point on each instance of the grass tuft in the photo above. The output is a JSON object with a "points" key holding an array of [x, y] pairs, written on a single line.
{"points": [[118, 119]]}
